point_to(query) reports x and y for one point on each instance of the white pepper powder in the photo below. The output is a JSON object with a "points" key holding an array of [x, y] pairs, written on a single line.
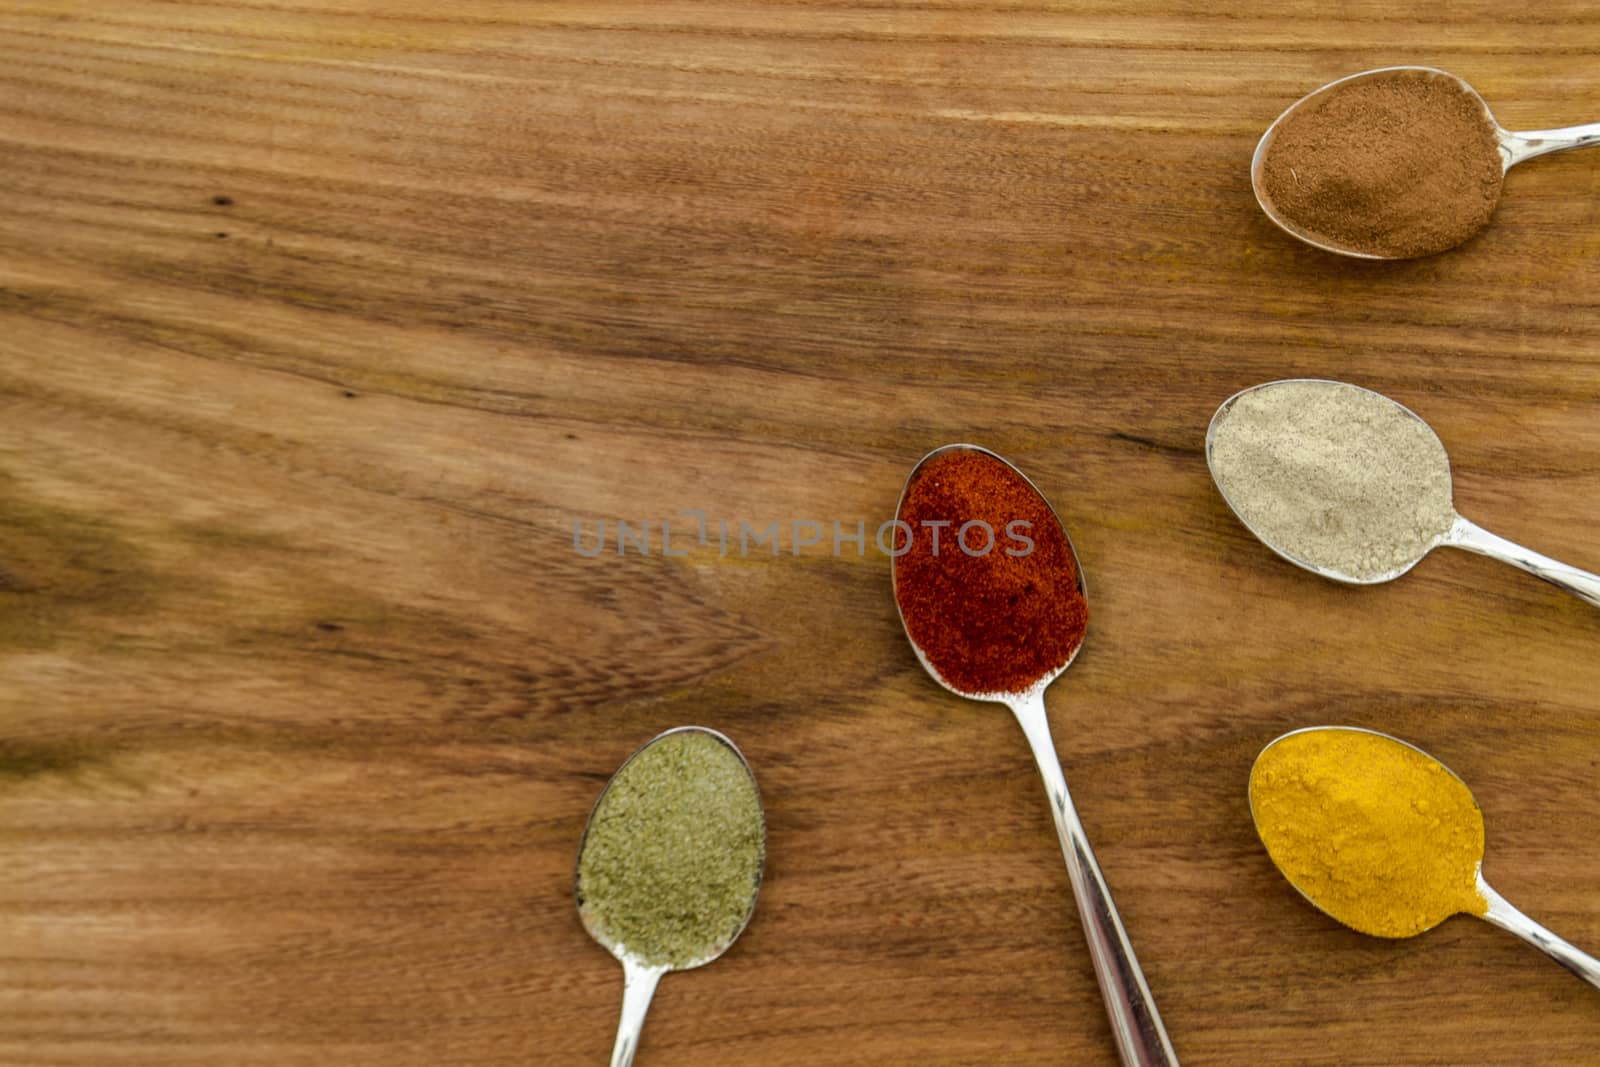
{"points": [[1334, 475]]}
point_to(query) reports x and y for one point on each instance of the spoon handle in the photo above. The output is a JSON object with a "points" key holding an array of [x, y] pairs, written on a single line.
{"points": [[1503, 915], [1524, 145], [638, 986], [1474, 538], [1135, 1024]]}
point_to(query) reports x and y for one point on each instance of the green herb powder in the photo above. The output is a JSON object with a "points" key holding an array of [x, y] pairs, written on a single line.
{"points": [[672, 859]]}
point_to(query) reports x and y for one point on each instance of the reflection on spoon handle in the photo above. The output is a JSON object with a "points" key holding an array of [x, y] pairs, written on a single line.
{"points": [[639, 985], [1135, 1024], [1474, 538], [1522, 146], [1503, 915]]}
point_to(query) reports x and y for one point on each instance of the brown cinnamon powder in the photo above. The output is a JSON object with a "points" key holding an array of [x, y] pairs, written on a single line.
{"points": [[1399, 164]]}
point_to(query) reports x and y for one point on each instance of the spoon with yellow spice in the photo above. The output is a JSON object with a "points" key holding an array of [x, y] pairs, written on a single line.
{"points": [[1382, 837]]}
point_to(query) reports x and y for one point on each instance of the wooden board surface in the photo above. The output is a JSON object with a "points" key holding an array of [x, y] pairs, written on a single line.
{"points": [[321, 324]]}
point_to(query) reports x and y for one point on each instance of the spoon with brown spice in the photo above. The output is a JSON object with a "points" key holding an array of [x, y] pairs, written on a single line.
{"points": [[1393, 163], [670, 864]]}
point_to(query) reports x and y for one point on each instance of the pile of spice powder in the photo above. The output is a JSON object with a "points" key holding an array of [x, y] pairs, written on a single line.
{"points": [[672, 859], [991, 623], [1333, 475], [1373, 832], [1399, 164]]}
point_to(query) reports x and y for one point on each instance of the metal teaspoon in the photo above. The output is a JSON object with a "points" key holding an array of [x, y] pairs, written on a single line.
{"points": [[1514, 148], [639, 975], [1136, 1026], [1497, 910], [1461, 533]]}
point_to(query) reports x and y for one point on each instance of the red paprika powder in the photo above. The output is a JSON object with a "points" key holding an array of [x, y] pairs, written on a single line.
{"points": [[992, 621]]}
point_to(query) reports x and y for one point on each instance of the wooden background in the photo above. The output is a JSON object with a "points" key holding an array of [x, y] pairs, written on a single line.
{"points": [[321, 323]]}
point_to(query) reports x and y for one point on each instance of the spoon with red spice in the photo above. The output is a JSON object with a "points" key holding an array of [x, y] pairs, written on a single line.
{"points": [[992, 598], [1393, 163]]}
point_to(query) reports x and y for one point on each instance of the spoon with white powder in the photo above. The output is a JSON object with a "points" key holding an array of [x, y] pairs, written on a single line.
{"points": [[1350, 485]]}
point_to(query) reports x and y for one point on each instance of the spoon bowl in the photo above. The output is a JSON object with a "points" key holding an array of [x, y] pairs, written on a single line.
{"points": [[1043, 680], [1455, 883], [1514, 148], [1136, 1025], [645, 962], [1314, 488], [1398, 795]]}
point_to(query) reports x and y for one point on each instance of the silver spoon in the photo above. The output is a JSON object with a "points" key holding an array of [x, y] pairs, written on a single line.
{"points": [[640, 975], [1135, 1023], [1514, 148], [1461, 533], [1496, 909]]}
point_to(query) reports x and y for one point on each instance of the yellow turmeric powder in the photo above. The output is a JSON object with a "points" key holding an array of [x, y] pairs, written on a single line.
{"points": [[1372, 831]]}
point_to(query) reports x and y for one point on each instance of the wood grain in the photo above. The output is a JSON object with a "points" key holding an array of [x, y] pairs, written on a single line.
{"points": [[321, 324]]}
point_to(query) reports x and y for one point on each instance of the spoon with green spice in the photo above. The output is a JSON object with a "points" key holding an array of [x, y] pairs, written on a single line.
{"points": [[1351, 485], [670, 863]]}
